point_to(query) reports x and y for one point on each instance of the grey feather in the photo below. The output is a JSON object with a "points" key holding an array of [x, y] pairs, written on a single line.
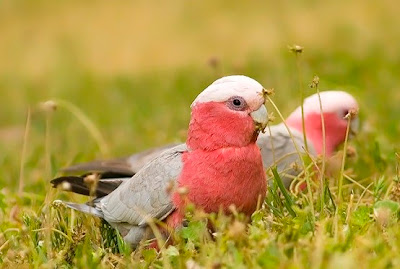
{"points": [[85, 208], [279, 148], [137, 161], [126, 166], [144, 196]]}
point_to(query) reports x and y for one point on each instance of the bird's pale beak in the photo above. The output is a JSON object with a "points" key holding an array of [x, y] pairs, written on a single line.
{"points": [[354, 127], [260, 118]]}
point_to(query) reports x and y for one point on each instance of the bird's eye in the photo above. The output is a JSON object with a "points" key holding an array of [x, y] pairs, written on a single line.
{"points": [[237, 103], [344, 113]]}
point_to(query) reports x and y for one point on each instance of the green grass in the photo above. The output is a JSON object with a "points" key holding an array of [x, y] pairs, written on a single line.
{"points": [[133, 70]]}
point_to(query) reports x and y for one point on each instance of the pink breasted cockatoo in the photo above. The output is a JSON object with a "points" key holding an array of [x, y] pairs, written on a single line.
{"points": [[335, 106], [277, 146], [218, 162]]}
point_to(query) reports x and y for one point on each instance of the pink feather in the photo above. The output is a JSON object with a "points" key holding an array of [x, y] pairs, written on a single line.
{"points": [[223, 166]]}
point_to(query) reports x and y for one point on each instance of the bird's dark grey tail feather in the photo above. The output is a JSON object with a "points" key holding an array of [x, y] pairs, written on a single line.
{"points": [[119, 167], [85, 208], [78, 185]]}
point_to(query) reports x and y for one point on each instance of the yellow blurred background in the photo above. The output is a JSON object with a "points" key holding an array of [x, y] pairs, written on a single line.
{"points": [[111, 37]]}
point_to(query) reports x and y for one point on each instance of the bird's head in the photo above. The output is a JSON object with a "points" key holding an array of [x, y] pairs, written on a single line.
{"points": [[337, 107], [228, 113]]}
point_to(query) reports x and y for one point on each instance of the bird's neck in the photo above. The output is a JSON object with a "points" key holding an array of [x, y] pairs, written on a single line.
{"points": [[213, 126]]}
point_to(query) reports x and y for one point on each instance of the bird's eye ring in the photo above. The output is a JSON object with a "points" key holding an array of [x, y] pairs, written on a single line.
{"points": [[237, 103]]}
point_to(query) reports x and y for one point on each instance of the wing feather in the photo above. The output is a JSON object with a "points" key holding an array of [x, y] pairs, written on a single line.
{"points": [[126, 166], [147, 194]]}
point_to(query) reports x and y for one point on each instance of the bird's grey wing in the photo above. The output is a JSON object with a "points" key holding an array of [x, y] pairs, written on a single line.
{"points": [[139, 160], [148, 193], [280, 148], [126, 166]]}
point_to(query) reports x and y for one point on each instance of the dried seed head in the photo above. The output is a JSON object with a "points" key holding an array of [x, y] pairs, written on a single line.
{"points": [[315, 82], [91, 179], [351, 151], [182, 190], [57, 203], [170, 187], [200, 214], [296, 49], [395, 192], [48, 106], [233, 209], [268, 92], [352, 113], [295, 166], [237, 229], [271, 117], [65, 186]]}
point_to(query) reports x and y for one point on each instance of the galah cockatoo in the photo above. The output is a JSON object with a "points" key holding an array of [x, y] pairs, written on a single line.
{"points": [[277, 146], [335, 106], [219, 165]]}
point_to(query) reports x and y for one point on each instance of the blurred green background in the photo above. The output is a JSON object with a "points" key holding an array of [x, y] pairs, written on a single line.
{"points": [[133, 67]]}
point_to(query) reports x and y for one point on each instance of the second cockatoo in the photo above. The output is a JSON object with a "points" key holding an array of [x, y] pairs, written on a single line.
{"points": [[285, 146], [219, 165]]}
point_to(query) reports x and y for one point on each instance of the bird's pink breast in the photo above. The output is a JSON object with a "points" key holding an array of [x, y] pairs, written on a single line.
{"points": [[217, 179]]}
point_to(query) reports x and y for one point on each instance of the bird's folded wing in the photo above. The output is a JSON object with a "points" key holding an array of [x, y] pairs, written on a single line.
{"points": [[148, 193], [139, 160], [126, 166]]}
